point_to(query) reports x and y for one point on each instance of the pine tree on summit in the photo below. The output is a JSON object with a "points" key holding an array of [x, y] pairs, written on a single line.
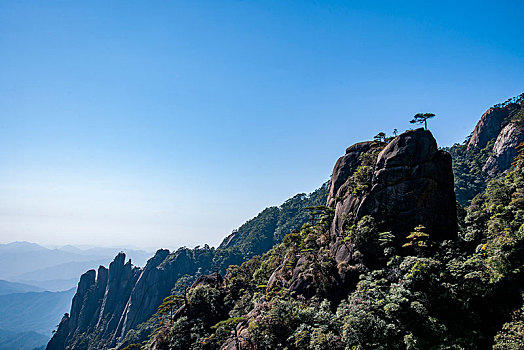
{"points": [[420, 118]]}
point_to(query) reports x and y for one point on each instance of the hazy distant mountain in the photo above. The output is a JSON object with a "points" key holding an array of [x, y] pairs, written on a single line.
{"points": [[34, 311], [21, 257], [59, 277], [7, 287], [53, 285], [56, 269], [21, 341]]}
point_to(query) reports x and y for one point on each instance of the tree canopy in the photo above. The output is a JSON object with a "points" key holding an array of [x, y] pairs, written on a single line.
{"points": [[420, 118]]}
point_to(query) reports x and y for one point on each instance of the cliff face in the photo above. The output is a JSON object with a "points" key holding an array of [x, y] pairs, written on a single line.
{"points": [[503, 124], [341, 196], [111, 302], [490, 150], [412, 184], [488, 127], [401, 185], [505, 149]]}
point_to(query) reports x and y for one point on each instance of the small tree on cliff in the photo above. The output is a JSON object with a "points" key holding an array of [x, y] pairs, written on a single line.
{"points": [[418, 241], [420, 118], [380, 137]]}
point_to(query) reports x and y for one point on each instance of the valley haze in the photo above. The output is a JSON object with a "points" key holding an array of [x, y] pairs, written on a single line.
{"points": [[251, 175]]}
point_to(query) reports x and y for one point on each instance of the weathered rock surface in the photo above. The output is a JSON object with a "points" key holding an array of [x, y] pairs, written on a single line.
{"points": [[111, 302], [345, 167], [488, 127], [340, 197], [505, 125], [60, 336], [504, 149], [412, 185]]}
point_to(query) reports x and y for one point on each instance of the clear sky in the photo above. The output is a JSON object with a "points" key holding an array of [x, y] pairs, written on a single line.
{"points": [[168, 123]]}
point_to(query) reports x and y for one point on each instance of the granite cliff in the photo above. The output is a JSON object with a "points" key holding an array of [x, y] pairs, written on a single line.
{"points": [[490, 150], [113, 302], [503, 124], [408, 182], [110, 302], [388, 231]]}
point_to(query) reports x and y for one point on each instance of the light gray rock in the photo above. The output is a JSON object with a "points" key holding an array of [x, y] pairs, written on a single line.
{"points": [[504, 149]]}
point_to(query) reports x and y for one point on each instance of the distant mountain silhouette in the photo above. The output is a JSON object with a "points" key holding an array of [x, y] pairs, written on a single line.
{"points": [[55, 269], [23, 340], [34, 311], [7, 287]]}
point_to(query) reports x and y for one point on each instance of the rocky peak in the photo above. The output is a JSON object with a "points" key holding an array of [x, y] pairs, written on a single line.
{"points": [[86, 281], [503, 124], [411, 185], [505, 148], [401, 185], [488, 127]]}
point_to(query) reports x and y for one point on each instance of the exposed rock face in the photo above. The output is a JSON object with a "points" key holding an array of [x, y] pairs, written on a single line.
{"points": [[60, 337], [340, 198], [488, 127], [98, 302], [504, 149], [111, 302], [345, 167], [413, 185], [213, 279], [505, 125]]}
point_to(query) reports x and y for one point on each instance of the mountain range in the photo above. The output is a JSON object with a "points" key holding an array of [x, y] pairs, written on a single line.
{"points": [[38, 284], [414, 247], [55, 269]]}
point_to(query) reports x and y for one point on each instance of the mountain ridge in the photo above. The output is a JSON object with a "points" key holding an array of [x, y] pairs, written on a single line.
{"points": [[350, 243]]}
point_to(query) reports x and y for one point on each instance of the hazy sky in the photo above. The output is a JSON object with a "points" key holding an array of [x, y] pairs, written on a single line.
{"points": [[168, 123]]}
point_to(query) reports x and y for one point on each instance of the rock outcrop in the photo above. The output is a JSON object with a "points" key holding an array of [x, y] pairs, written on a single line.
{"points": [[111, 302], [488, 127], [412, 184], [505, 149], [406, 183], [503, 125], [341, 197]]}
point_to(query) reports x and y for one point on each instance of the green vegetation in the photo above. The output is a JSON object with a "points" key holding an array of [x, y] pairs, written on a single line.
{"points": [[470, 179], [268, 228], [465, 294], [255, 237], [420, 118], [286, 287]]}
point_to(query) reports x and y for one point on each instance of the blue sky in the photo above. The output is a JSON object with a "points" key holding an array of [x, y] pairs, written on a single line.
{"points": [[160, 124]]}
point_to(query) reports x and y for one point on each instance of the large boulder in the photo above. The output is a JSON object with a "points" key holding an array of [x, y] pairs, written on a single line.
{"points": [[412, 185]]}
